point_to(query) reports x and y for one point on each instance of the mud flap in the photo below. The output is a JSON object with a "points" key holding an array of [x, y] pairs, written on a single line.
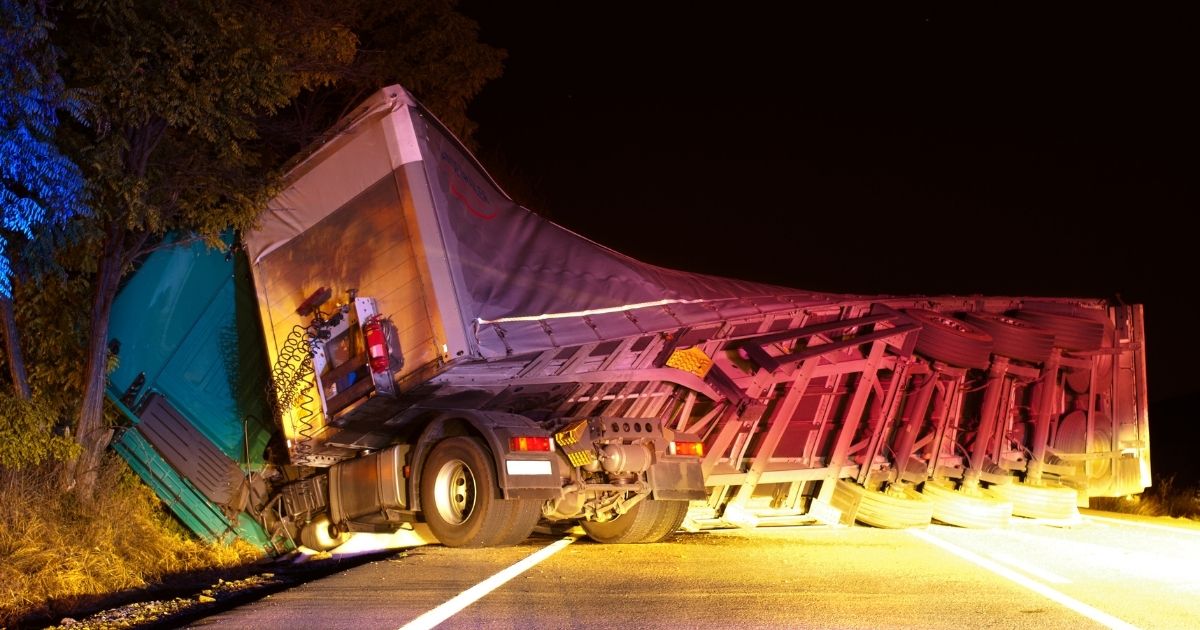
{"points": [[677, 480]]}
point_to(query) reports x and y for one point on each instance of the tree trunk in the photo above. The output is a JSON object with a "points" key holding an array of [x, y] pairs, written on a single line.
{"points": [[12, 349], [92, 435]]}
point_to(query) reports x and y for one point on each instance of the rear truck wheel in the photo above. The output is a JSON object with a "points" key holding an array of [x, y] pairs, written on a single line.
{"points": [[977, 508], [461, 500], [1071, 438], [1073, 310], [1079, 380], [523, 517], [1014, 338], [320, 534], [649, 521], [1050, 502], [899, 507], [951, 341], [1070, 333]]}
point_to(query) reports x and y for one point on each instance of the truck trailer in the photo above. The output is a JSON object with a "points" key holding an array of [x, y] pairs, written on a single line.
{"points": [[399, 342]]}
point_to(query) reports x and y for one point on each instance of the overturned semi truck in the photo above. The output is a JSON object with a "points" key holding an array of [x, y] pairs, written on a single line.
{"points": [[399, 342]]}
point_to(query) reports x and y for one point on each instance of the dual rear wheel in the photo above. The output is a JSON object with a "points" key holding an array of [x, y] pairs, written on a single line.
{"points": [[979, 508], [1046, 501], [462, 504], [648, 521], [899, 507]]}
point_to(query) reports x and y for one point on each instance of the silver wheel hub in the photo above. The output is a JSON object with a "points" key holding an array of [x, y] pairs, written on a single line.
{"points": [[454, 492]]}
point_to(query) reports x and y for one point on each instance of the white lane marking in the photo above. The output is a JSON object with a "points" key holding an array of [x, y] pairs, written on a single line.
{"points": [[1095, 614], [1036, 572], [475, 593], [1165, 528]]}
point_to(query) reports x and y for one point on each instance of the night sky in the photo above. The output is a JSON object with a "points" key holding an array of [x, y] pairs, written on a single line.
{"points": [[922, 150]]}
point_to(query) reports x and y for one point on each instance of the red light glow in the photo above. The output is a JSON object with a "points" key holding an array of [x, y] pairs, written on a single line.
{"points": [[530, 443]]}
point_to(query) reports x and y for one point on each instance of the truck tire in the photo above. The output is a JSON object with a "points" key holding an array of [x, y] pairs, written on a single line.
{"points": [[1015, 338], [649, 521], [1080, 379], [1066, 308], [460, 498], [523, 517], [1071, 438], [899, 508], [320, 534], [981, 509], [951, 341], [1070, 333], [1056, 503]]}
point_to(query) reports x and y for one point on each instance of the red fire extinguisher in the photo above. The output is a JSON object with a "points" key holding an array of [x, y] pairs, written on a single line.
{"points": [[377, 353]]}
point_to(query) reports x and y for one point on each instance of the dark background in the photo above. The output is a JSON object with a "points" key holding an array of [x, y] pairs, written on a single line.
{"points": [[920, 149]]}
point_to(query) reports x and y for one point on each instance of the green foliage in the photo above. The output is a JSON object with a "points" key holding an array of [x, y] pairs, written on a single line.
{"points": [[193, 107], [424, 45], [52, 314], [431, 49], [26, 437], [39, 186], [179, 87]]}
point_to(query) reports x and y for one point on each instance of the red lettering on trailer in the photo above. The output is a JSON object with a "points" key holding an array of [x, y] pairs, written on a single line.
{"points": [[451, 168]]}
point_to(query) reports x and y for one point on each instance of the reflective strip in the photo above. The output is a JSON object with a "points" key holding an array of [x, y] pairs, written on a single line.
{"points": [[528, 467], [594, 311]]}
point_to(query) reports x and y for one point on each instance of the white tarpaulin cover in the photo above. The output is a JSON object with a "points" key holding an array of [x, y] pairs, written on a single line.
{"points": [[518, 282]]}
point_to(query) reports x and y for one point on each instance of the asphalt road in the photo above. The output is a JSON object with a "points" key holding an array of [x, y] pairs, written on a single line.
{"points": [[1101, 573]]}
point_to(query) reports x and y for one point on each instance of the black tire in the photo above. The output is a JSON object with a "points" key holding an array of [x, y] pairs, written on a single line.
{"points": [[1065, 308], [461, 501], [980, 509], [1071, 438], [524, 516], [1070, 333], [1058, 503], [320, 534], [1015, 338], [649, 521], [901, 507], [1080, 379], [951, 341]]}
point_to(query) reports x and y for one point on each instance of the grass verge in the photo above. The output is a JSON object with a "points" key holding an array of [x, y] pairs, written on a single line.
{"points": [[1164, 498], [56, 555]]}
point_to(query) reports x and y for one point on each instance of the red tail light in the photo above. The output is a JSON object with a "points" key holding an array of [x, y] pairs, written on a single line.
{"points": [[693, 449], [532, 443], [377, 353]]}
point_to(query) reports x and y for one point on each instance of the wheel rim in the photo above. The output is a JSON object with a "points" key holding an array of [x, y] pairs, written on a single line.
{"points": [[953, 324], [949, 323], [454, 492]]}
